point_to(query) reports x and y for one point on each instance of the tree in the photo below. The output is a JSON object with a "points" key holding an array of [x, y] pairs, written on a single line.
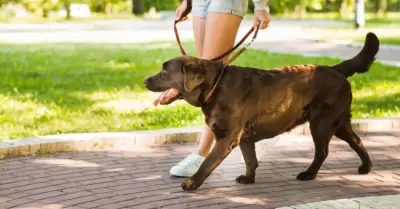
{"points": [[138, 7], [382, 8], [46, 6], [359, 18], [67, 5]]}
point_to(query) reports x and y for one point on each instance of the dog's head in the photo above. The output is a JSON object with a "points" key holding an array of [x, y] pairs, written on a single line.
{"points": [[186, 74]]}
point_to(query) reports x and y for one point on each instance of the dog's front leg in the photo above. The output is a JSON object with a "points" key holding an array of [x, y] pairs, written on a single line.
{"points": [[223, 146]]}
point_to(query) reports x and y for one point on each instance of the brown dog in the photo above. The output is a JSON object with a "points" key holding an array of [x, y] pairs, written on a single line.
{"points": [[250, 104]]}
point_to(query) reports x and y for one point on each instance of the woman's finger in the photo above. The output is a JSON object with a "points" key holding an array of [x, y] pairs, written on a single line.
{"points": [[178, 13], [264, 25], [255, 23]]}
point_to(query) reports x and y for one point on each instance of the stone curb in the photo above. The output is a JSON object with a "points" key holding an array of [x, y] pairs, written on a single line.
{"points": [[369, 125], [91, 141]]}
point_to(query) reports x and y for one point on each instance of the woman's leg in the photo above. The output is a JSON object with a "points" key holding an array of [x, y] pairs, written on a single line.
{"points": [[199, 28], [220, 35], [214, 34]]}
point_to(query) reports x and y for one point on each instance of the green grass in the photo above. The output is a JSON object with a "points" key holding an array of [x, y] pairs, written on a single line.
{"points": [[69, 88], [394, 40]]}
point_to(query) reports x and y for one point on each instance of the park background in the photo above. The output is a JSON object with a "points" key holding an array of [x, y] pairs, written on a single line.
{"points": [[78, 66]]}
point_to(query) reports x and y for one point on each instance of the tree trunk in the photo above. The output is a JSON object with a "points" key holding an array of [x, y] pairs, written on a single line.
{"points": [[67, 5], [45, 10], [343, 8], [398, 5], [45, 13], [359, 18], [300, 11], [382, 7], [138, 7]]}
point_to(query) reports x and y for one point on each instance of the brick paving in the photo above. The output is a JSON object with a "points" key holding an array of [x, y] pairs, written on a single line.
{"points": [[138, 177]]}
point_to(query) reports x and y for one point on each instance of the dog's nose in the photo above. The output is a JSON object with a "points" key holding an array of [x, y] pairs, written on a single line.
{"points": [[145, 81]]}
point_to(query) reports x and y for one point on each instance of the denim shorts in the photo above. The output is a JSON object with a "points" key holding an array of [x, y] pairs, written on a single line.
{"points": [[200, 8]]}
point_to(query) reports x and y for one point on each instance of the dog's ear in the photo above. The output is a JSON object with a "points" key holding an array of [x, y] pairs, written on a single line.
{"points": [[193, 76]]}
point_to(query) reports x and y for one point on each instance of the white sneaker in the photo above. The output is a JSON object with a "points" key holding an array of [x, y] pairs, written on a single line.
{"points": [[188, 166]]}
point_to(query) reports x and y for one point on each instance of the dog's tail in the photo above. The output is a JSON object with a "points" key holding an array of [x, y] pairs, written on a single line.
{"points": [[363, 60]]}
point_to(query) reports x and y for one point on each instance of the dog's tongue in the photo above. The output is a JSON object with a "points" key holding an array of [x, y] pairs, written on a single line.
{"points": [[166, 96]]}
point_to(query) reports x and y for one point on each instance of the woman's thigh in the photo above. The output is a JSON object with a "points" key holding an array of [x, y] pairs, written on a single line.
{"points": [[215, 24], [199, 28]]}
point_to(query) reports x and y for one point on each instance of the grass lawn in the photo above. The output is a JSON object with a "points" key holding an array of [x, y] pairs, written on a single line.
{"points": [[66, 88]]}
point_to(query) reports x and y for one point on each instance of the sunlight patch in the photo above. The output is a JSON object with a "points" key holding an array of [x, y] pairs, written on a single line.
{"points": [[67, 163], [148, 178], [120, 65], [115, 169], [298, 160], [117, 94], [157, 46], [245, 200], [16, 105], [378, 90], [125, 102], [124, 105]]}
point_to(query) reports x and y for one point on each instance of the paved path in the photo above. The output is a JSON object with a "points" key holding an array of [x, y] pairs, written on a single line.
{"points": [[372, 202], [285, 36], [315, 49], [138, 178]]}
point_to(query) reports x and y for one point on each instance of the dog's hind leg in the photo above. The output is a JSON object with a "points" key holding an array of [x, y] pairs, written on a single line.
{"points": [[346, 133], [322, 129], [249, 154]]}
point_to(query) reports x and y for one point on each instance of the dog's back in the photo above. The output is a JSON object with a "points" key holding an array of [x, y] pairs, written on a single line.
{"points": [[284, 98]]}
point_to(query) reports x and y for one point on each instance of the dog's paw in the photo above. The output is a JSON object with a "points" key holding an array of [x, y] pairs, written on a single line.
{"points": [[306, 176], [189, 185], [364, 168], [243, 179]]}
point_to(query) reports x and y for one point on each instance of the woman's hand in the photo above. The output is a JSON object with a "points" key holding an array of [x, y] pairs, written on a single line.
{"points": [[263, 17], [180, 10]]}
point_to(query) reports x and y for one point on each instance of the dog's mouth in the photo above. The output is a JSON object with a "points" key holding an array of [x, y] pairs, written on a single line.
{"points": [[168, 96]]}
